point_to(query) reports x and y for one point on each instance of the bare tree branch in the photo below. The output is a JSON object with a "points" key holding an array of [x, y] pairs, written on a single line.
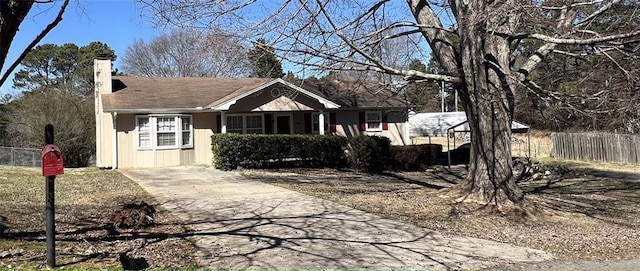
{"points": [[597, 12], [578, 41], [626, 73], [33, 43], [437, 38], [564, 22], [573, 5], [184, 53]]}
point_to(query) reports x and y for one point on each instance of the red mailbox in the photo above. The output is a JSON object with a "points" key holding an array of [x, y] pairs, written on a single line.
{"points": [[52, 160]]}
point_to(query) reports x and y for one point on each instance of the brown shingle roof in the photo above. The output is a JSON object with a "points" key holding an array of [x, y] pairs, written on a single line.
{"points": [[354, 94], [139, 93], [167, 93]]}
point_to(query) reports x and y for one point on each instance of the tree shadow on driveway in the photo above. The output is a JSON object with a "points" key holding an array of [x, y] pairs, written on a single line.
{"points": [[288, 232]]}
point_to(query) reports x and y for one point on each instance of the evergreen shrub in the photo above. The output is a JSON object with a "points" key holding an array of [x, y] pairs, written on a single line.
{"points": [[259, 151]]}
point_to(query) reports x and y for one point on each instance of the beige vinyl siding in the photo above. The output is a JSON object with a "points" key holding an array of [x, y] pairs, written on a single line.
{"points": [[187, 157], [204, 125], [127, 136], [349, 126], [104, 140], [129, 156], [167, 158]]}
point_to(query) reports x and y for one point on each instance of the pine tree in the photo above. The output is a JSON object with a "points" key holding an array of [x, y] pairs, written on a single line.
{"points": [[422, 95], [263, 60]]}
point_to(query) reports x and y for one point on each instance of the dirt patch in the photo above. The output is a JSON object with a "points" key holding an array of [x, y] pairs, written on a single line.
{"points": [[584, 217], [134, 215], [86, 201]]}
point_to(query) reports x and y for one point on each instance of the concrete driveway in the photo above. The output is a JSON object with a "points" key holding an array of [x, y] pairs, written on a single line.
{"points": [[245, 224]]}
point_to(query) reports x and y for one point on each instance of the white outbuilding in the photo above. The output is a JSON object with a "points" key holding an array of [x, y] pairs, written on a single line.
{"points": [[447, 124]]}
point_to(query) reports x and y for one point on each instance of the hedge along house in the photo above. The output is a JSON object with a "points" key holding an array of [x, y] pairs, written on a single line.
{"points": [[160, 122]]}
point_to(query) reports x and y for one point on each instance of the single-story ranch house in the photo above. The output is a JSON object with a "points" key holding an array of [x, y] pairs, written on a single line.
{"points": [[159, 122]]}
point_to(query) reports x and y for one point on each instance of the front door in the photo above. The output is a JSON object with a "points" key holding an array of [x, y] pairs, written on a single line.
{"points": [[283, 124]]}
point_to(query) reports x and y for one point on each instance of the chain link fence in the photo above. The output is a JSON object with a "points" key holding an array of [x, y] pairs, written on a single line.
{"points": [[25, 157]]}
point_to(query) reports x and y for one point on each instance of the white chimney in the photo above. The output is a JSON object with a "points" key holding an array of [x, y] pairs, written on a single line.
{"points": [[102, 74], [105, 134]]}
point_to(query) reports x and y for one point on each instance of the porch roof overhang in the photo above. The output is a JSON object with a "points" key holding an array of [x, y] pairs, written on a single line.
{"points": [[226, 104]]}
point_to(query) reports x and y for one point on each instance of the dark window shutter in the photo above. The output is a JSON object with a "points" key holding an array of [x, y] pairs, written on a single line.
{"points": [[332, 122], [385, 122], [268, 124], [363, 124], [218, 123], [307, 123]]}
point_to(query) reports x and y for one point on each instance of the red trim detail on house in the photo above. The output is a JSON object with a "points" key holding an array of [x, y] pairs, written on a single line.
{"points": [[385, 122], [268, 124], [332, 122], [218, 123], [363, 124], [307, 123]]}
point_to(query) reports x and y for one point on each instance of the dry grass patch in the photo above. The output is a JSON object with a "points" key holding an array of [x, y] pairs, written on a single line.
{"points": [[584, 218], [86, 200], [591, 166]]}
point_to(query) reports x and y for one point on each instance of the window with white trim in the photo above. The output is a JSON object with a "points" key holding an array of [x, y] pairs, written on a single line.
{"points": [[187, 127], [373, 121], [144, 132], [315, 123], [164, 132], [245, 124]]}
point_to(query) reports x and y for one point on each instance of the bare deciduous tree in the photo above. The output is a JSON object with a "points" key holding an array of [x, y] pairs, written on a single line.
{"points": [[477, 43], [71, 115], [12, 14], [187, 54]]}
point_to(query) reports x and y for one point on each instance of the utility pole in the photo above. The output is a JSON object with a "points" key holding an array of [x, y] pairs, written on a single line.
{"points": [[455, 92], [442, 95]]}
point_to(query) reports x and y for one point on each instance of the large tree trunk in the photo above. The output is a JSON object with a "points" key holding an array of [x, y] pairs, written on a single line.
{"points": [[12, 13], [481, 60], [487, 94]]}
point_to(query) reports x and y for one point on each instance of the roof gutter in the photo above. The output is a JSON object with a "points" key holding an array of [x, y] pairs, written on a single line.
{"points": [[157, 110]]}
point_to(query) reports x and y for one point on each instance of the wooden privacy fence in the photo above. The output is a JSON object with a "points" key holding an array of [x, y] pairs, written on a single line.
{"points": [[614, 148]]}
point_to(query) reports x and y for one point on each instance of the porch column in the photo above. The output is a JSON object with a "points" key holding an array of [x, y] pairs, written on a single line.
{"points": [[321, 123], [223, 122]]}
